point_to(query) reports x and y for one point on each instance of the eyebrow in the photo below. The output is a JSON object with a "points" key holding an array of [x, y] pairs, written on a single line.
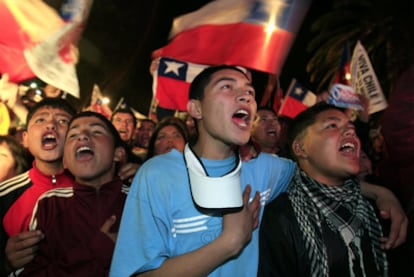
{"points": [[94, 124], [231, 80]]}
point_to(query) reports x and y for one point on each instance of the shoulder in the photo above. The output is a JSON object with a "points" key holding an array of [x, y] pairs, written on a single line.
{"points": [[15, 183], [164, 163], [280, 206], [49, 205]]}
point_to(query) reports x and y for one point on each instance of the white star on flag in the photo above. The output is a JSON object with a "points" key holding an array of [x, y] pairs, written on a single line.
{"points": [[298, 91], [173, 67]]}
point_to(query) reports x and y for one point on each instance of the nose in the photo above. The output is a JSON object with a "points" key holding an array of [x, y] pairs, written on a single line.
{"points": [[51, 125], [83, 136], [349, 130], [244, 96]]}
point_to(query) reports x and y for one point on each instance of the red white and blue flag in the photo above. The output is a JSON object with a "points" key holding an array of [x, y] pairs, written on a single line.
{"points": [[256, 34], [298, 98], [23, 25], [172, 82], [54, 59]]}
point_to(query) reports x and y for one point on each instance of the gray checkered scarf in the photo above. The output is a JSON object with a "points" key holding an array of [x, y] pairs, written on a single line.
{"points": [[346, 213]]}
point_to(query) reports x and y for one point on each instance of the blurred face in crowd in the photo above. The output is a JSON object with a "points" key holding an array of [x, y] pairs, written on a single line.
{"points": [[365, 165], [168, 138], [124, 124], [7, 168], [144, 133], [266, 130]]}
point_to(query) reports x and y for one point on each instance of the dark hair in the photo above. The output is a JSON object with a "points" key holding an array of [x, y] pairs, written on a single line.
{"points": [[306, 118], [264, 108], [200, 82], [22, 157], [125, 110], [166, 121], [147, 120], [52, 102], [117, 139]]}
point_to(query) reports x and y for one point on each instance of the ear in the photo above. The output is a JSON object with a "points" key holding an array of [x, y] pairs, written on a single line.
{"points": [[194, 109], [120, 155], [25, 139], [298, 150]]}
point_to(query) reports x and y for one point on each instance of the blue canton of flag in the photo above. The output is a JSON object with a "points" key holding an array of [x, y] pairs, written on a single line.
{"points": [[172, 68]]}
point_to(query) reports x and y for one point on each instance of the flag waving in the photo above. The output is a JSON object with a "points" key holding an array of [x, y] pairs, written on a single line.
{"points": [[172, 80], [298, 98], [255, 34], [54, 60], [23, 24]]}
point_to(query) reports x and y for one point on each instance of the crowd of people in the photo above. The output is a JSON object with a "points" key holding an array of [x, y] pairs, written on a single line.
{"points": [[84, 195]]}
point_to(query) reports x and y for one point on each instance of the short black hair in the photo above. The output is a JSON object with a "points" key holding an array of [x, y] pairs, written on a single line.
{"points": [[53, 102], [125, 110], [200, 82]]}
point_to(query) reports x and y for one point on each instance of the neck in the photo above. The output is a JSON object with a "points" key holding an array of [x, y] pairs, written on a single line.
{"points": [[322, 177], [212, 150], [50, 168], [271, 150]]}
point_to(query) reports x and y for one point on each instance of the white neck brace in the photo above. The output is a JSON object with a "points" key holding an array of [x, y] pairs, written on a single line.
{"points": [[213, 192]]}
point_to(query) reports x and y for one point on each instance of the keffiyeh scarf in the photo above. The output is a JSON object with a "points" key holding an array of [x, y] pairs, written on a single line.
{"points": [[346, 212]]}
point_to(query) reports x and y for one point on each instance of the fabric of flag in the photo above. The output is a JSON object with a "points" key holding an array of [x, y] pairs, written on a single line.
{"points": [[23, 23], [97, 103], [54, 59], [344, 96], [298, 98], [343, 76], [255, 34], [365, 81], [172, 82]]}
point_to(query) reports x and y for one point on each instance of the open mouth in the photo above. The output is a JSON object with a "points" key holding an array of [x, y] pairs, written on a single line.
{"points": [[84, 152], [348, 147], [242, 118], [272, 132], [49, 140]]}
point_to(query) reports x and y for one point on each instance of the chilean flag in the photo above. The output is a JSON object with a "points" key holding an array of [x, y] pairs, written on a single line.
{"points": [[298, 98], [172, 81], [255, 34], [24, 23]]}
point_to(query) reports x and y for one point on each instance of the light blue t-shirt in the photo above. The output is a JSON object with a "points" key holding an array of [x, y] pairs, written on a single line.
{"points": [[160, 220]]}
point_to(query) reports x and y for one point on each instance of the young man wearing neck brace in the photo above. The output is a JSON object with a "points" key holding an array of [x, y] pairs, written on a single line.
{"points": [[167, 227]]}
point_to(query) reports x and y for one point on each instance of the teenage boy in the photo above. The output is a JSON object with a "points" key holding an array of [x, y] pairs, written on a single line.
{"points": [[47, 123], [163, 232], [322, 225], [80, 222]]}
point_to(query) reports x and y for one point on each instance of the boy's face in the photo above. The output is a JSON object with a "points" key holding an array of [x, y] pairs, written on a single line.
{"points": [[89, 153], [330, 148], [144, 133], [45, 135], [226, 112], [124, 123], [266, 128]]}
